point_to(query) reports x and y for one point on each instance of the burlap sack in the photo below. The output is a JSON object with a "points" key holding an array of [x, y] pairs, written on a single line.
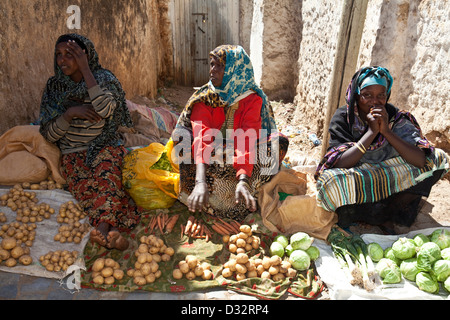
{"points": [[299, 211], [25, 156]]}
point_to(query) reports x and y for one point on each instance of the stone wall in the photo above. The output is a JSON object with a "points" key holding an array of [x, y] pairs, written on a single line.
{"points": [[127, 35]]}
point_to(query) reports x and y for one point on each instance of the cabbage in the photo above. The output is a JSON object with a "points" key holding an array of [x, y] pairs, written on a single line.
{"points": [[300, 260], [282, 239], [445, 254], [389, 254], [375, 251], [404, 248], [447, 284], [409, 269], [389, 271], [441, 269], [301, 240], [441, 237], [288, 250], [313, 252], [427, 282], [428, 254], [277, 249], [420, 239]]}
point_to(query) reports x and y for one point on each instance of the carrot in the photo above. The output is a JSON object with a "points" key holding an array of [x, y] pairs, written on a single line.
{"points": [[219, 229], [171, 223], [227, 226], [236, 225], [160, 224], [197, 229], [189, 224], [194, 226]]}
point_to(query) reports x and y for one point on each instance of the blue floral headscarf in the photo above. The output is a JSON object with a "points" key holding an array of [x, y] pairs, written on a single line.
{"points": [[238, 79]]}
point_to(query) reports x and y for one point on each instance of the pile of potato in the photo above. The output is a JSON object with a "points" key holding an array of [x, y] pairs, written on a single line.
{"points": [[48, 184], [191, 268], [56, 261], [11, 252], [242, 242], [243, 267], [149, 254], [106, 271], [23, 233], [73, 232], [70, 212], [25, 204]]}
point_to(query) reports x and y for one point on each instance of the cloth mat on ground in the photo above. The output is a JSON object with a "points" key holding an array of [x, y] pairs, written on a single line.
{"points": [[330, 272], [212, 251], [45, 232]]}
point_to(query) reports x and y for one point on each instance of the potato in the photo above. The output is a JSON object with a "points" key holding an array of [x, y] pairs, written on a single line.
{"points": [[184, 268], [110, 263], [273, 270], [240, 268], [232, 248], [169, 251], [177, 274], [107, 272], [226, 273], [278, 277], [140, 281], [99, 280], [130, 272], [145, 268], [245, 228], [109, 280], [142, 258], [232, 265], [207, 274], [192, 261], [265, 275], [240, 243], [150, 278], [226, 238], [118, 274], [252, 274], [240, 276], [242, 258], [8, 243], [190, 275], [198, 271], [154, 267], [4, 254], [98, 264], [275, 260], [17, 252], [11, 262], [206, 266]]}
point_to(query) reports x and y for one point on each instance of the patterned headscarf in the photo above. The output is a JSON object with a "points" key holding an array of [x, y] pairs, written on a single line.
{"points": [[60, 89], [238, 79]]}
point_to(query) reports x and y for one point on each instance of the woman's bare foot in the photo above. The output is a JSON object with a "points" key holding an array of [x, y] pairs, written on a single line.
{"points": [[116, 241], [99, 234]]}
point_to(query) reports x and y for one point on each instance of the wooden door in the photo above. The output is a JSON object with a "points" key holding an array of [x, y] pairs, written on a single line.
{"points": [[198, 26]]}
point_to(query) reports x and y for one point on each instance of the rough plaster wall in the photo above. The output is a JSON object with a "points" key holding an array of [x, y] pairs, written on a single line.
{"points": [[316, 57], [126, 35], [412, 40], [245, 21]]}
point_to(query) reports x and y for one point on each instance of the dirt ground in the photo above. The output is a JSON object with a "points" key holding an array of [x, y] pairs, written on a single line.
{"points": [[435, 209]]}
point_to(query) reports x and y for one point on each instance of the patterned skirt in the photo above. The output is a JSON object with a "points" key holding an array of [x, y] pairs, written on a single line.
{"points": [[222, 182], [372, 183], [98, 188]]}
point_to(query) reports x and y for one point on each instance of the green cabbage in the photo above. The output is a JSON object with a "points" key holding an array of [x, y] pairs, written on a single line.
{"points": [[441, 269], [420, 239], [288, 250], [300, 260], [427, 282], [409, 269], [404, 248], [313, 253], [277, 249], [281, 239], [445, 254], [428, 254], [389, 271], [441, 237], [447, 284], [375, 251], [389, 254], [301, 240]]}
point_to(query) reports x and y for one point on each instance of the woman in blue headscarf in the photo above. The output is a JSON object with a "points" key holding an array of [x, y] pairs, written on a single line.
{"points": [[379, 164], [230, 110]]}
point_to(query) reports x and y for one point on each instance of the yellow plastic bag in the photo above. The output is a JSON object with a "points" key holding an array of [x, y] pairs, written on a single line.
{"points": [[150, 176]]}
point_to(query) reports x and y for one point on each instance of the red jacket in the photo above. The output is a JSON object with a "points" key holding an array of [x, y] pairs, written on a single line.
{"points": [[246, 117]]}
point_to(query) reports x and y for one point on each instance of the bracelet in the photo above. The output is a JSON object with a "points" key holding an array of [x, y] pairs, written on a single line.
{"points": [[361, 147], [200, 181]]}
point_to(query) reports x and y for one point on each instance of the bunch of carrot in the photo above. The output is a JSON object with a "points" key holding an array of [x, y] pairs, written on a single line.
{"points": [[195, 228], [226, 228], [163, 222]]}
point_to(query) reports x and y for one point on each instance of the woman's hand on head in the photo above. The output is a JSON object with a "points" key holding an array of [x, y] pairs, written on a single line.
{"points": [[85, 112], [199, 197], [80, 56], [243, 194]]}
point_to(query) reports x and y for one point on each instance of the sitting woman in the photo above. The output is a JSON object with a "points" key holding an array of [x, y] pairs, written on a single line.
{"points": [[81, 109], [378, 165], [230, 136]]}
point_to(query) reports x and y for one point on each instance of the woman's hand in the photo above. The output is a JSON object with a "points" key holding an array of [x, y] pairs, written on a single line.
{"points": [[82, 60], [199, 197], [379, 113], [242, 193], [85, 112]]}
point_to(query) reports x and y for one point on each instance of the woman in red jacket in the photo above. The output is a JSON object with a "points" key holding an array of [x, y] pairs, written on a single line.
{"points": [[230, 126]]}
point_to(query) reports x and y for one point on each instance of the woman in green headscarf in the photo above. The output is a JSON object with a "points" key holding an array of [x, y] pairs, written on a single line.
{"points": [[379, 165], [229, 115], [82, 107]]}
